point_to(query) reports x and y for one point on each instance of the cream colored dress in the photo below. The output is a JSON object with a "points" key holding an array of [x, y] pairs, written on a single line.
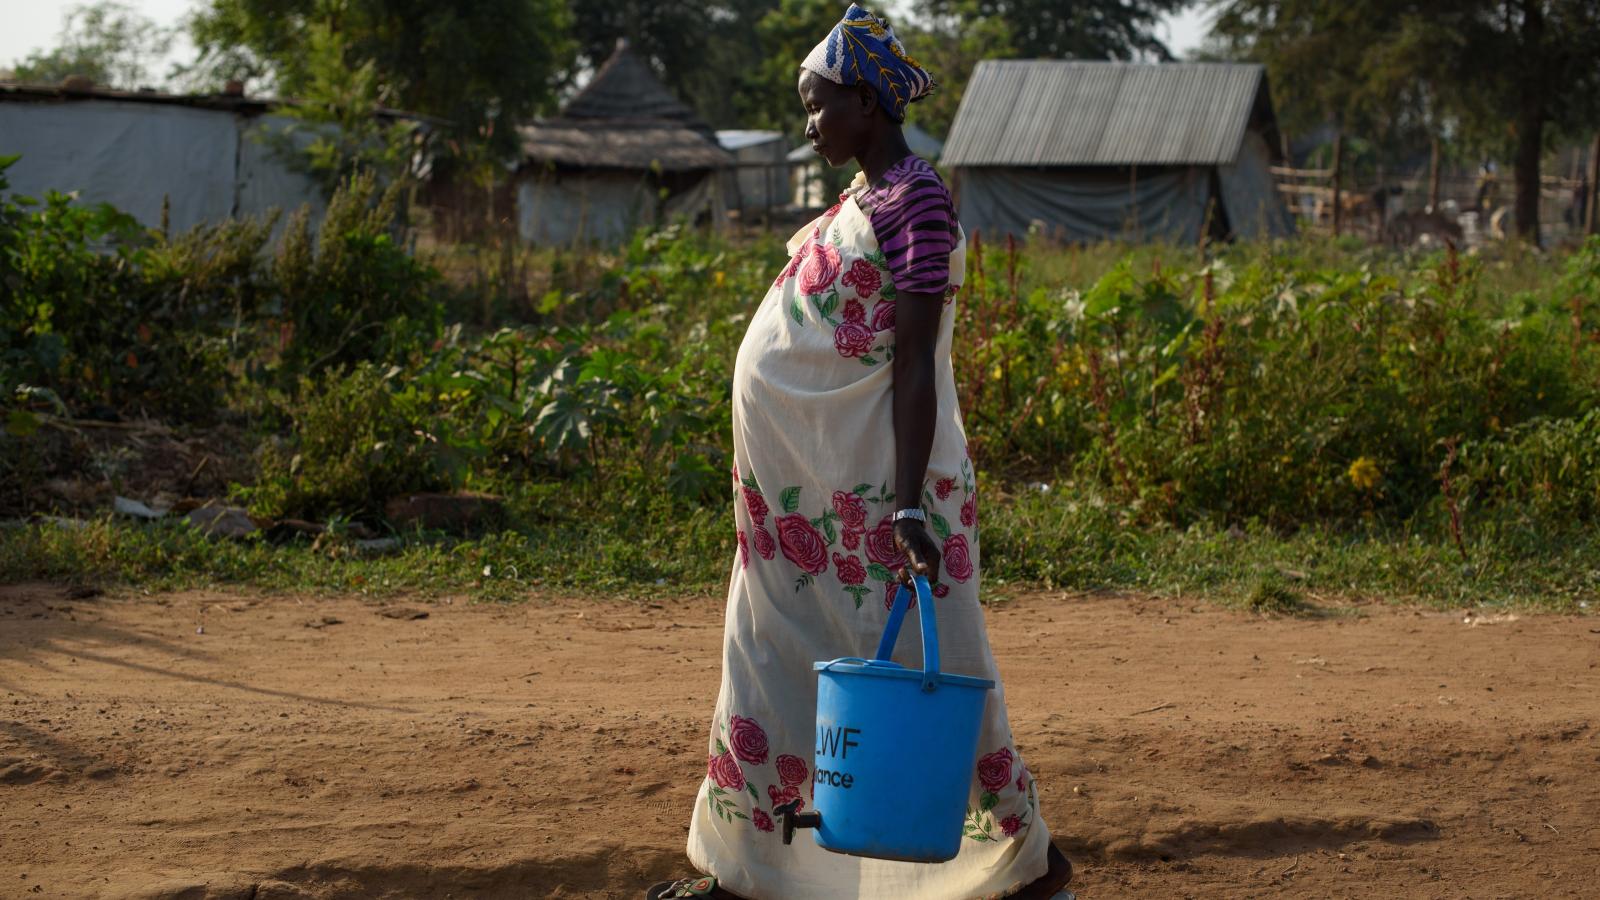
{"points": [[814, 467]]}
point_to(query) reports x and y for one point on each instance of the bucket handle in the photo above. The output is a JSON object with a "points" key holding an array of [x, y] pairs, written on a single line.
{"points": [[930, 630]]}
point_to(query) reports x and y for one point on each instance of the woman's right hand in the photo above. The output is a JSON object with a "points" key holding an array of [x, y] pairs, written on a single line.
{"points": [[920, 549]]}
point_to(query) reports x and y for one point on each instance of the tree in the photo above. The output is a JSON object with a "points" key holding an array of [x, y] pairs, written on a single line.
{"points": [[1316, 57], [951, 45], [707, 53], [481, 66], [1501, 74], [107, 42], [1084, 29], [1517, 69]]}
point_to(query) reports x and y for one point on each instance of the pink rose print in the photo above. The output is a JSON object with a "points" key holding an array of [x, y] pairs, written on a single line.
{"points": [[957, 562], [1022, 780], [943, 487], [994, 770], [744, 551], [763, 822], [802, 544], [890, 590], [764, 542], [880, 545], [820, 268], [794, 263], [792, 770], [765, 546], [851, 538], [969, 510], [851, 508], [941, 590], [883, 316], [852, 339], [855, 312], [1010, 824], [849, 569], [864, 277], [756, 504], [748, 740], [725, 771], [780, 796]]}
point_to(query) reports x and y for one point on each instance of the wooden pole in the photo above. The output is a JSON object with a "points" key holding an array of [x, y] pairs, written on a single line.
{"points": [[1433, 176], [1338, 181]]}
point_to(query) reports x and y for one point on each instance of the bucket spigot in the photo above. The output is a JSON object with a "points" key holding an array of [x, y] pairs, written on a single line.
{"points": [[793, 818]]}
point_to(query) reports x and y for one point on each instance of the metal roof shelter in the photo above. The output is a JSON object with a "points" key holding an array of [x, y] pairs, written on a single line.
{"points": [[1093, 150], [598, 170]]}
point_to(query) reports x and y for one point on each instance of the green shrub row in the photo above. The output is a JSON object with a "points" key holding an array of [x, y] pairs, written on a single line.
{"points": [[1276, 385]]}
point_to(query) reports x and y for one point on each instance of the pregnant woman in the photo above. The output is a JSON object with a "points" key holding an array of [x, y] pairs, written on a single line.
{"points": [[851, 475]]}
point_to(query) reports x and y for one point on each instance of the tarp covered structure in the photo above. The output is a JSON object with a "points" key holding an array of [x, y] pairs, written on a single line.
{"points": [[1087, 151], [624, 153], [760, 180], [206, 158]]}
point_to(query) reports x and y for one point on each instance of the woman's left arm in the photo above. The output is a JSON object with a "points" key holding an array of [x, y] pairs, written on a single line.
{"points": [[916, 411]]}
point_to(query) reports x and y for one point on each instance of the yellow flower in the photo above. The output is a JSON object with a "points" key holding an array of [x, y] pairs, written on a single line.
{"points": [[1364, 473], [996, 374], [720, 278]]}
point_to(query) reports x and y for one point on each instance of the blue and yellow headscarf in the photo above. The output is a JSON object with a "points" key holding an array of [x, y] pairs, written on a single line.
{"points": [[863, 48]]}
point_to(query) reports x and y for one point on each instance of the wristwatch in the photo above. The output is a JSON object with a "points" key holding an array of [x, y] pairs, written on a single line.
{"points": [[913, 512]]}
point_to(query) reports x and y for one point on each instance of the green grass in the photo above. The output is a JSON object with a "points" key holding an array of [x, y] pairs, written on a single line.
{"points": [[1030, 541]]}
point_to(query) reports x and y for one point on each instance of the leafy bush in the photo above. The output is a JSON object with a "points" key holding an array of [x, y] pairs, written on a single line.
{"points": [[355, 443], [111, 316]]}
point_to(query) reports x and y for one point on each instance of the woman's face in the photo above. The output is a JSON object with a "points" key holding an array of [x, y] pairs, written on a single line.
{"points": [[837, 118]]}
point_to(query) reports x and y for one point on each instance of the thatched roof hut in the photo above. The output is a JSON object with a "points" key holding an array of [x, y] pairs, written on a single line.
{"points": [[623, 153]]}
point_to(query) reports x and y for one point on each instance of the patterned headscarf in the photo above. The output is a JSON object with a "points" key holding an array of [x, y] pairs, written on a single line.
{"points": [[862, 47]]}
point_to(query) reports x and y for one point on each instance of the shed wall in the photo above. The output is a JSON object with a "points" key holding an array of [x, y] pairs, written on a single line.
{"points": [[1255, 207], [130, 155], [208, 164]]}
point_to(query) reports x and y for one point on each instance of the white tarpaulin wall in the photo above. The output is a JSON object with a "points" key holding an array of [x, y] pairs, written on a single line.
{"points": [[603, 207], [133, 155], [265, 181], [1085, 205]]}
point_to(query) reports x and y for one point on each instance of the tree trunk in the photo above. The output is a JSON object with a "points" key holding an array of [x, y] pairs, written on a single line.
{"points": [[1433, 176], [1530, 122], [1530, 143], [1338, 181], [1593, 206]]}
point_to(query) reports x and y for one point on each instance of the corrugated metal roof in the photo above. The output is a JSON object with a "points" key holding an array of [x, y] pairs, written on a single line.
{"points": [[735, 139], [1046, 112]]}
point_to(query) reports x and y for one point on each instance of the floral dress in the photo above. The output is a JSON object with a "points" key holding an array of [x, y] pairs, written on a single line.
{"points": [[813, 576]]}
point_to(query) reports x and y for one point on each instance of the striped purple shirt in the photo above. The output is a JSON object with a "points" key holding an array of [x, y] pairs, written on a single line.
{"points": [[915, 223]]}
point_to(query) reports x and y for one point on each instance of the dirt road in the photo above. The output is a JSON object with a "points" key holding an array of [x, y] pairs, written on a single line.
{"points": [[202, 745]]}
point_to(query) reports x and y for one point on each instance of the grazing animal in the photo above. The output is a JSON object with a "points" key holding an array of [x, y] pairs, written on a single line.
{"points": [[1412, 227]]}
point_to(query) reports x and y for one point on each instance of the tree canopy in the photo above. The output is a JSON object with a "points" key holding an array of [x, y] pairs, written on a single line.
{"points": [[1496, 75], [107, 42], [482, 66]]}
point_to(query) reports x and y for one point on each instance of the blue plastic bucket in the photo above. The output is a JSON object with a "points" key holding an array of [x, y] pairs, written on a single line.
{"points": [[896, 748]]}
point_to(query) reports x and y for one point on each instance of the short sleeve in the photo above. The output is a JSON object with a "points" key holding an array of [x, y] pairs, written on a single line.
{"points": [[915, 223]]}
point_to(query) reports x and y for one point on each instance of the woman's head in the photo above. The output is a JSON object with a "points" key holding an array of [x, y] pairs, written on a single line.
{"points": [[858, 75]]}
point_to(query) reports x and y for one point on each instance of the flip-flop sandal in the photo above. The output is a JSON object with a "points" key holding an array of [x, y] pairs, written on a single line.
{"points": [[701, 886]]}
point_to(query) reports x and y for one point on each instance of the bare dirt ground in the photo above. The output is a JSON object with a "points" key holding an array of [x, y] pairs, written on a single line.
{"points": [[204, 745]]}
